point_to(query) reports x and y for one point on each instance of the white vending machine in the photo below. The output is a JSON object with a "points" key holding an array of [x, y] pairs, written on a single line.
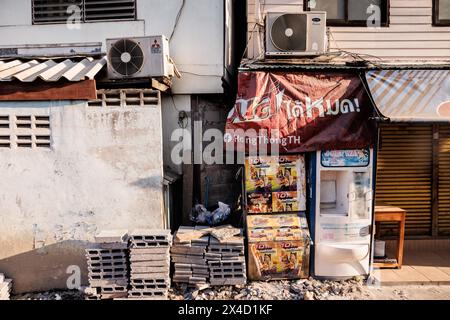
{"points": [[341, 212]]}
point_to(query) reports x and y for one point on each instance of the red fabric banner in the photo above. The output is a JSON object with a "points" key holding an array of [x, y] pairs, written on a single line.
{"points": [[301, 112]]}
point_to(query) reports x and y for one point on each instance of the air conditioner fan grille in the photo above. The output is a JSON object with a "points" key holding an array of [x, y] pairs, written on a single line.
{"points": [[289, 32], [126, 57]]}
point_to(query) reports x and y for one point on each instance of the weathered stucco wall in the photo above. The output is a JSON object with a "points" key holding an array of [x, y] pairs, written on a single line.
{"points": [[103, 171]]}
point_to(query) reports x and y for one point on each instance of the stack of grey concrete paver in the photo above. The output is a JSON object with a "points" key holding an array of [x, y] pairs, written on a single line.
{"points": [[150, 264], [107, 263], [189, 259], [5, 287], [226, 261]]}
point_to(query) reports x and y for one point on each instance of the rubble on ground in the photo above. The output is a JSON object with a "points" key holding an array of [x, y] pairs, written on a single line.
{"points": [[52, 295], [306, 289]]}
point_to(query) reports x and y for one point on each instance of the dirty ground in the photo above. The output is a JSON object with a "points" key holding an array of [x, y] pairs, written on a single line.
{"points": [[309, 289]]}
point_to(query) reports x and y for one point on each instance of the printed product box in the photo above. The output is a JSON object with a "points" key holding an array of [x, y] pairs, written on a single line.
{"points": [[277, 221], [279, 246], [258, 184], [283, 177], [259, 174], [285, 202], [259, 203], [262, 234], [278, 260]]}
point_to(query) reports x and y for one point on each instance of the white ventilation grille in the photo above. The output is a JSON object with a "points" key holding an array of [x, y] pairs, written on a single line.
{"points": [[5, 132], [59, 11], [5, 141], [4, 122], [126, 98], [96, 10], [25, 131], [24, 122]]}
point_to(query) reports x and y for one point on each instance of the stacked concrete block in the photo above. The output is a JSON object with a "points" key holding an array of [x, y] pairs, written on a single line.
{"points": [[107, 263], [5, 287], [150, 264], [189, 259], [226, 261]]}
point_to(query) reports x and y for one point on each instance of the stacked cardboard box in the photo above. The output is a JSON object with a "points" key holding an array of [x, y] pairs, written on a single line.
{"points": [[279, 247], [150, 264], [226, 261], [188, 256], [5, 287], [108, 265]]}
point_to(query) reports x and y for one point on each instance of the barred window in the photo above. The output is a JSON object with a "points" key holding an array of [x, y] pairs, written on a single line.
{"points": [[71, 11]]}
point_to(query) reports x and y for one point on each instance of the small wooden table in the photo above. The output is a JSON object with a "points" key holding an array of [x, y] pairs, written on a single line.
{"points": [[387, 213]]}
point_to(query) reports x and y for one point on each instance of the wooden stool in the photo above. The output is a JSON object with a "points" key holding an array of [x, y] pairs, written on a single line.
{"points": [[387, 213]]}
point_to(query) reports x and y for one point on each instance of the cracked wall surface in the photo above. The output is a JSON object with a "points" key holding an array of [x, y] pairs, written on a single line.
{"points": [[102, 171]]}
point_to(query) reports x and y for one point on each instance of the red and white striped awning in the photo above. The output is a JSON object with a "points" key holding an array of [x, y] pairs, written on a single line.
{"points": [[411, 95]]}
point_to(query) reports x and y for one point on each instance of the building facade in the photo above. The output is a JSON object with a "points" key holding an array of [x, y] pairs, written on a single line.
{"points": [[81, 153], [413, 158]]}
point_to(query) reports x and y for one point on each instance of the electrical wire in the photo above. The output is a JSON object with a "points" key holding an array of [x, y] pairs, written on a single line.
{"points": [[181, 122], [177, 19], [200, 75], [354, 55], [252, 32]]}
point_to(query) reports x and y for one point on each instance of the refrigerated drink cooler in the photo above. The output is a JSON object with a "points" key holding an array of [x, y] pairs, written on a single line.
{"points": [[341, 210]]}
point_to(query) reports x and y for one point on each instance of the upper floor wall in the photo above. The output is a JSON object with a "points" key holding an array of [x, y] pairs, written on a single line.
{"points": [[200, 45], [410, 34]]}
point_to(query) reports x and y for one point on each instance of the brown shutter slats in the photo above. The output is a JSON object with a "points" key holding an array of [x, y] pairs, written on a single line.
{"points": [[444, 181], [404, 176]]}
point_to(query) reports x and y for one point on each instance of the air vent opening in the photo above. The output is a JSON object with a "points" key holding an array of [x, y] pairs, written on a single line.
{"points": [[126, 98]]}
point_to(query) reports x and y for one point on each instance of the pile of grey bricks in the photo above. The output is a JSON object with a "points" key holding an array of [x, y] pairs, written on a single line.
{"points": [[150, 264], [226, 261], [205, 260], [189, 259], [107, 263], [5, 287]]}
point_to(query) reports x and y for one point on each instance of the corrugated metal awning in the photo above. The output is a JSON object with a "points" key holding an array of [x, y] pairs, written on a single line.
{"points": [[411, 95], [50, 70]]}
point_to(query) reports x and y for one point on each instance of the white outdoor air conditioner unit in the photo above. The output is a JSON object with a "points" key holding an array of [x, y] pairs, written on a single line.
{"points": [[139, 57], [296, 34]]}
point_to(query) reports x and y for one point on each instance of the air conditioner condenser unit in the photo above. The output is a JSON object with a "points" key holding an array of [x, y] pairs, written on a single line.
{"points": [[296, 34], [139, 57]]}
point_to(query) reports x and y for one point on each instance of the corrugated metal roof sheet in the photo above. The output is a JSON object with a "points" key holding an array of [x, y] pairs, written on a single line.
{"points": [[50, 70], [297, 67], [337, 66]]}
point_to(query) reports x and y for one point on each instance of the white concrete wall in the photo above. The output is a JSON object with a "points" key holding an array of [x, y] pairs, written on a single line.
{"points": [[197, 45], [409, 37], [171, 107], [104, 171]]}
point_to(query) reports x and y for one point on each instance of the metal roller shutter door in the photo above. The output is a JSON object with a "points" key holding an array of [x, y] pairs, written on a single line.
{"points": [[444, 181], [404, 175]]}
